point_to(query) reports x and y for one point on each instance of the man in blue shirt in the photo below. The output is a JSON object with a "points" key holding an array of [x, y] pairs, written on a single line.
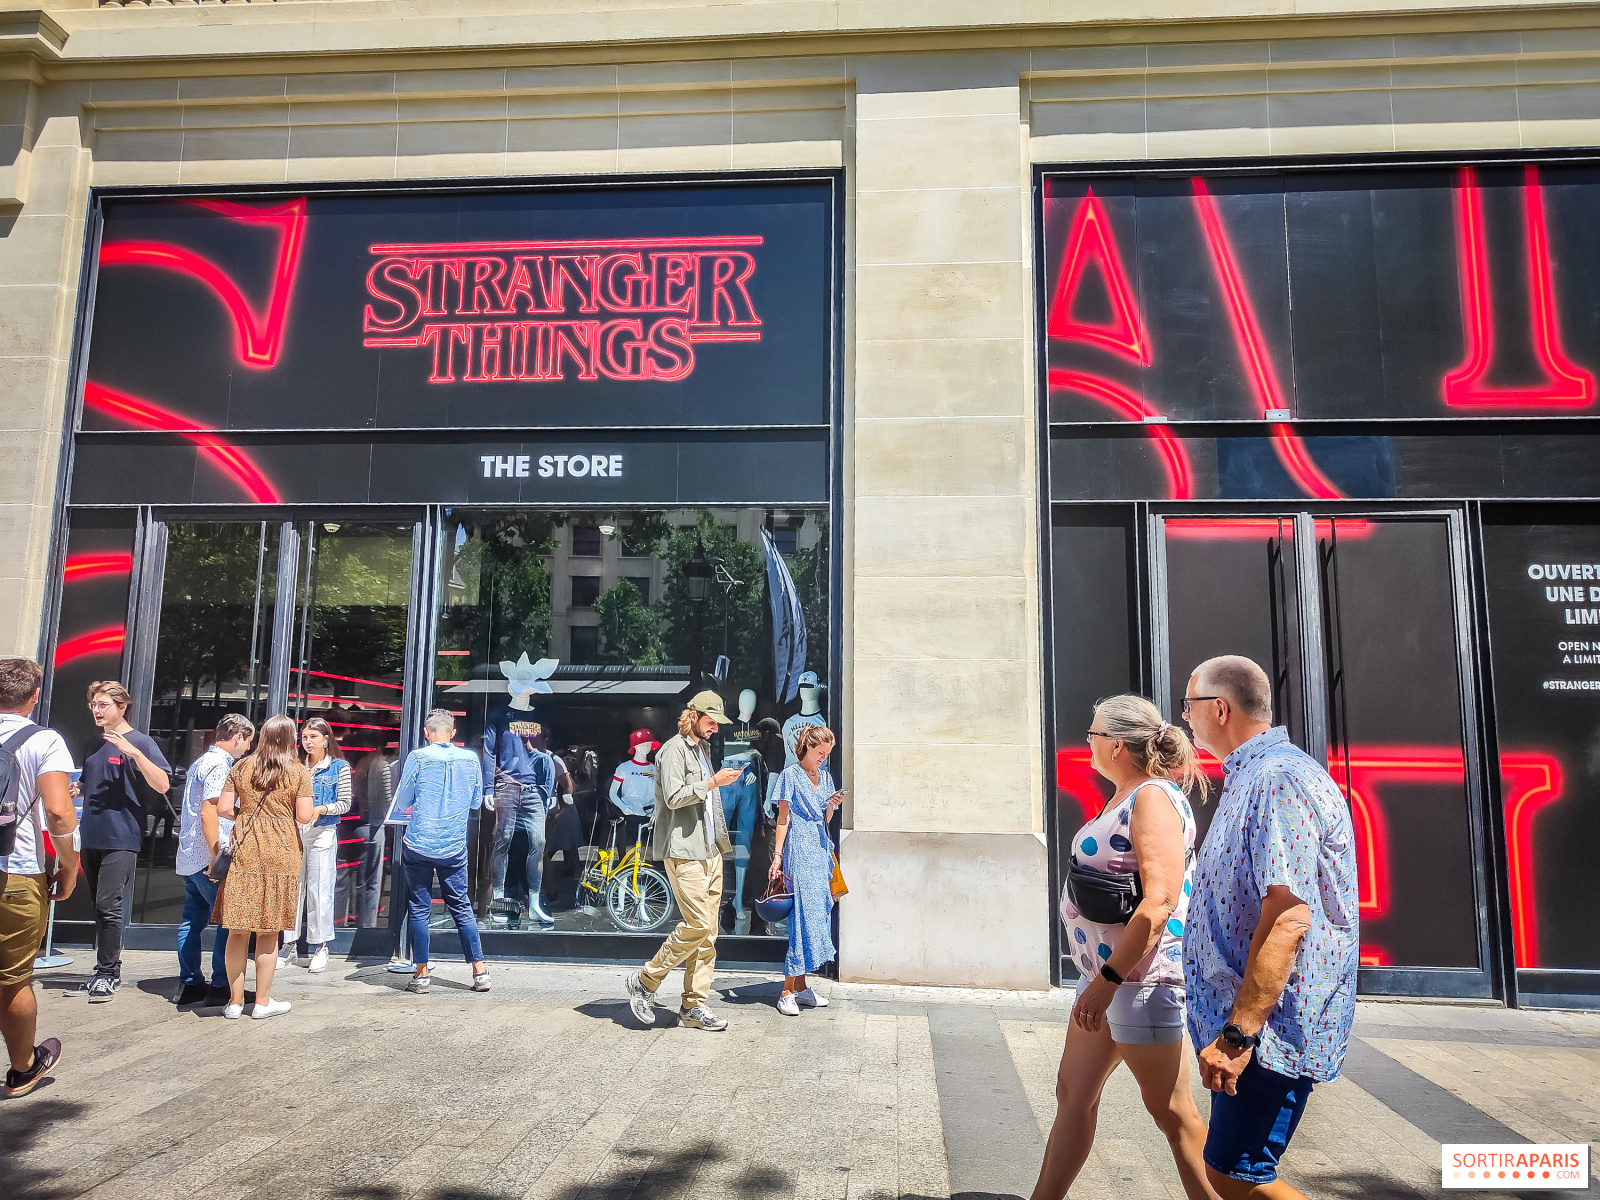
{"points": [[441, 786], [1271, 948]]}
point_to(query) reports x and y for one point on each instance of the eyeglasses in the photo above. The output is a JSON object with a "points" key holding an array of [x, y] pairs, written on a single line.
{"points": [[1188, 700], [1094, 733]]}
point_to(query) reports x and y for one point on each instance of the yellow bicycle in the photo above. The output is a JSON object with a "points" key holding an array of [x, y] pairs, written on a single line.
{"points": [[635, 895]]}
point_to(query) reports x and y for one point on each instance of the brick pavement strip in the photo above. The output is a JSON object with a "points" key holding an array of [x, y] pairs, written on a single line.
{"points": [[544, 1089]]}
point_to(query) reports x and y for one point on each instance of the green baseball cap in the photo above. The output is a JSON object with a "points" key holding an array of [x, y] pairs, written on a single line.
{"points": [[709, 703]]}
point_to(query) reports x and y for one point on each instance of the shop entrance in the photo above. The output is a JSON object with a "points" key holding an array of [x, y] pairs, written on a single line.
{"points": [[1362, 620], [305, 616]]}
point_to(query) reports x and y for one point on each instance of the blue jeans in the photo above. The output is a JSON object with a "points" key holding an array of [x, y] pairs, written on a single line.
{"points": [[739, 802], [518, 808], [199, 894], [453, 887]]}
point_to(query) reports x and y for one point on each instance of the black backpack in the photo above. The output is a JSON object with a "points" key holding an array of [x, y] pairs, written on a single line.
{"points": [[12, 811]]}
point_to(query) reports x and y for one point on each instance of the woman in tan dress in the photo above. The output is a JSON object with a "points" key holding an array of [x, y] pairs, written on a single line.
{"points": [[266, 795]]}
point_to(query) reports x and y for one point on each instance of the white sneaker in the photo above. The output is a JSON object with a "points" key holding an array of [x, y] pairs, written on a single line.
{"points": [[640, 1001], [232, 1012], [788, 1006], [275, 1009], [810, 999], [285, 960], [319, 960]]}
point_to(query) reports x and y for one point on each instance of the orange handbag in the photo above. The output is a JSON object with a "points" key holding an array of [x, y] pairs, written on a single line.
{"points": [[836, 884]]}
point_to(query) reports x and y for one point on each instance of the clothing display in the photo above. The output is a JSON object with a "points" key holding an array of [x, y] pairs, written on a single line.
{"points": [[791, 733], [518, 807], [1103, 845], [510, 749], [633, 788], [262, 887], [111, 785], [808, 862], [740, 800]]}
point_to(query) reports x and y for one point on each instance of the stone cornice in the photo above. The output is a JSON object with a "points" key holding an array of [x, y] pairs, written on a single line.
{"points": [[210, 39]]}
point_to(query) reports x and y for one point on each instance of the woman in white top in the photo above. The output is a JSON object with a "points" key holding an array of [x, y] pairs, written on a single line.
{"points": [[319, 868], [1130, 1006]]}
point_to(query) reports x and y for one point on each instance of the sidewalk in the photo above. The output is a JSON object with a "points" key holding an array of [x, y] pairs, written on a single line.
{"points": [[544, 1088]]}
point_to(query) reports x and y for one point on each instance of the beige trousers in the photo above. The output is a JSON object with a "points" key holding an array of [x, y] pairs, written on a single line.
{"points": [[697, 884]]}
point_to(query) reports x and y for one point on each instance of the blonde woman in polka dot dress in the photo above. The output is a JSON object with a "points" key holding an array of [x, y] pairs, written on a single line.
{"points": [[1130, 1006]]}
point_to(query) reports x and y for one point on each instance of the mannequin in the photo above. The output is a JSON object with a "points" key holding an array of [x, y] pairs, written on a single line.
{"points": [[740, 801], [633, 787], [810, 714], [527, 783]]}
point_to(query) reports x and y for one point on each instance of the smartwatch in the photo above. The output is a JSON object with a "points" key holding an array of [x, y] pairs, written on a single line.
{"points": [[1238, 1038]]}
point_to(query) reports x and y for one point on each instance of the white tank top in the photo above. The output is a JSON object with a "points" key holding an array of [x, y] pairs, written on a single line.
{"points": [[1104, 844]]}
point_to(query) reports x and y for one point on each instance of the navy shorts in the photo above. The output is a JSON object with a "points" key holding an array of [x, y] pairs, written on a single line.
{"points": [[1251, 1129]]}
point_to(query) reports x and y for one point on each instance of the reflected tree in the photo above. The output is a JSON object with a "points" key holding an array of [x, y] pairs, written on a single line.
{"points": [[631, 631]]}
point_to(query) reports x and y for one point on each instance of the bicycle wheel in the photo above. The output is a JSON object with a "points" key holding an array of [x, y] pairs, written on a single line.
{"points": [[590, 893], [643, 909]]}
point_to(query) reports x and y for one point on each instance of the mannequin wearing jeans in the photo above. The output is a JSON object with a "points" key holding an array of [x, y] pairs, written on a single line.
{"points": [[740, 800]]}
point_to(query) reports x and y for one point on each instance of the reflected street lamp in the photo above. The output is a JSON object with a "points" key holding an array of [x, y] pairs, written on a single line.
{"points": [[697, 575]]}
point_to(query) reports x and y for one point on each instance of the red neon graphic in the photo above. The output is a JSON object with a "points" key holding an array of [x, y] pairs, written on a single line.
{"points": [[1566, 385], [1246, 529], [234, 461], [351, 679], [1533, 781], [1252, 346], [454, 653], [540, 311], [258, 336], [100, 641], [1180, 480], [87, 566], [1090, 239]]}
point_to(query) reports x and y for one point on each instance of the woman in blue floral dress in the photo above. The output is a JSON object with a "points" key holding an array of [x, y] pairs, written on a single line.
{"points": [[806, 798]]}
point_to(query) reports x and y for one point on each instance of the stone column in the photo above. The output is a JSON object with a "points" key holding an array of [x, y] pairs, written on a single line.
{"points": [[41, 251], [946, 857]]}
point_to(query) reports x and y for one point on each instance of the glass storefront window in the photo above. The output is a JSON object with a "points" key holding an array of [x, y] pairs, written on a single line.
{"points": [[567, 634]]}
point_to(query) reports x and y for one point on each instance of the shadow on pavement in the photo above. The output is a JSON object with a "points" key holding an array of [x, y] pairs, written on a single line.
{"points": [[765, 992], [22, 1124]]}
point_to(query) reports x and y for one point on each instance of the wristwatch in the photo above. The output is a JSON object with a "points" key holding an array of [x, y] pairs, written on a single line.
{"points": [[1238, 1038]]}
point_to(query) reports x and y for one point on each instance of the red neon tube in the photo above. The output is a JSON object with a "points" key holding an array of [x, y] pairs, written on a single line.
{"points": [[399, 687], [234, 461], [1174, 458], [79, 567], [1252, 347], [100, 641], [1090, 239]]}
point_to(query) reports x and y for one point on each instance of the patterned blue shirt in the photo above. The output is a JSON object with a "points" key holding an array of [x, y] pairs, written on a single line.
{"points": [[1280, 820]]}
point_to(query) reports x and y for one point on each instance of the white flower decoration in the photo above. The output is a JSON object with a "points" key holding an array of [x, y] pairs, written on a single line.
{"points": [[524, 676]]}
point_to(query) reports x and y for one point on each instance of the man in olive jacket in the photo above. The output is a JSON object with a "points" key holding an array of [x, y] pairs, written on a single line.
{"points": [[690, 838]]}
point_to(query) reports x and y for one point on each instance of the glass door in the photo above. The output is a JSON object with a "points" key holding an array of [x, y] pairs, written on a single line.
{"points": [[348, 668], [305, 617], [213, 656], [1360, 622]]}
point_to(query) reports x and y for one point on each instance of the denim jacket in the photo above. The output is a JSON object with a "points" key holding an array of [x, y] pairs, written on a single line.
{"points": [[439, 787], [326, 790]]}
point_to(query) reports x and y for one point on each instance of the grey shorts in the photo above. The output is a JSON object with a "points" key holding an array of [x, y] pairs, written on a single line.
{"points": [[1145, 1014]]}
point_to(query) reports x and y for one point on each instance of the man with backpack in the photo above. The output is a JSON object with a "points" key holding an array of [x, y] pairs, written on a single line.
{"points": [[35, 775]]}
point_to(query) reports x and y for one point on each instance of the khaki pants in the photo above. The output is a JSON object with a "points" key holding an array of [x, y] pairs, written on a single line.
{"points": [[697, 884]]}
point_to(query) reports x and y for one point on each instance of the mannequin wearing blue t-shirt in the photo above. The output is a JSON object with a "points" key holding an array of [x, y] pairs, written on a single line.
{"points": [[526, 781]]}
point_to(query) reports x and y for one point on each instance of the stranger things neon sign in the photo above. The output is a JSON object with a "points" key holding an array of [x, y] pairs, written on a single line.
{"points": [[631, 309]]}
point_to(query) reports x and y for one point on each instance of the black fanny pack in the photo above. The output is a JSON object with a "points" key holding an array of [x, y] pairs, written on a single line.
{"points": [[1107, 899], [1101, 898]]}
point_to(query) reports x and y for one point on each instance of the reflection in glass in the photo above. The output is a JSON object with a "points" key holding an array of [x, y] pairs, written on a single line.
{"points": [[348, 667], [619, 617], [212, 656]]}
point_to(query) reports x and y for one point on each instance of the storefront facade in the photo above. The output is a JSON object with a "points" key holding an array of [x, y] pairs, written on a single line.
{"points": [[350, 355]]}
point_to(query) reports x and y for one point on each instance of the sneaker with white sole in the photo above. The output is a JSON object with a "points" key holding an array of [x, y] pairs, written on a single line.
{"points": [[810, 999], [640, 1001], [788, 1006], [319, 960], [102, 988], [273, 1008], [232, 1012], [701, 1017], [480, 981], [420, 984], [285, 960]]}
